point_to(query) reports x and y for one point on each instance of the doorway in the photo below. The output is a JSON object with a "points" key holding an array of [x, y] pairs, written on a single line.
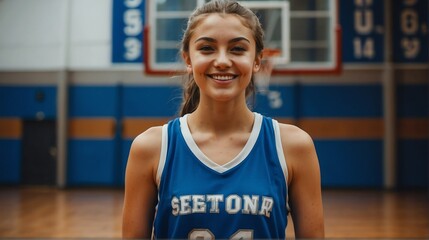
{"points": [[39, 161]]}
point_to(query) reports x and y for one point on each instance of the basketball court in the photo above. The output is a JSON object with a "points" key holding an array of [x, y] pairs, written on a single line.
{"points": [[96, 213]]}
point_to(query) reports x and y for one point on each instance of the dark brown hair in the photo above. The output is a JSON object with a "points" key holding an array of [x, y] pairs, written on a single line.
{"points": [[191, 92]]}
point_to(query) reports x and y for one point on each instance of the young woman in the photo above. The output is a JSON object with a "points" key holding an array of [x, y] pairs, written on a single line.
{"points": [[221, 170]]}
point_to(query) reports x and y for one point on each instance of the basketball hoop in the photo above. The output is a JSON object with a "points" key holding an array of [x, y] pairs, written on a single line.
{"points": [[263, 76]]}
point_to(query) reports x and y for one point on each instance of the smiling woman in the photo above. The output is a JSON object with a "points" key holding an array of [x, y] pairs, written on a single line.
{"points": [[220, 162], [226, 55]]}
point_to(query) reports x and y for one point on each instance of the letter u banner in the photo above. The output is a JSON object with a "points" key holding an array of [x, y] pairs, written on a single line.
{"points": [[362, 24]]}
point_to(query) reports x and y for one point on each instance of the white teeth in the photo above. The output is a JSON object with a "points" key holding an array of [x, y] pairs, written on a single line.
{"points": [[222, 78]]}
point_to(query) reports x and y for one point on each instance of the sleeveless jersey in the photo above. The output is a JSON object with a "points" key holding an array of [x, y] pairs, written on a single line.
{"points": [[245, 198]]}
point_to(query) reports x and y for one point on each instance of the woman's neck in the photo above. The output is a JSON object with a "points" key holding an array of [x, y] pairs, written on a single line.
{"points": [[221, 118]]}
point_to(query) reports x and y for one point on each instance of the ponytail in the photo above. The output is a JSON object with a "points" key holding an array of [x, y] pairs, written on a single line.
{"points": [[191, 96]]}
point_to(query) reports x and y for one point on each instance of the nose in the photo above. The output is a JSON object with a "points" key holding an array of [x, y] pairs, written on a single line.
{"points": [[222, 60]]}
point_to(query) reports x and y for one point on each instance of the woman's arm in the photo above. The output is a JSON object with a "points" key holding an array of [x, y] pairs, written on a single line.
{"points": [[305, 195], [140, 185]]}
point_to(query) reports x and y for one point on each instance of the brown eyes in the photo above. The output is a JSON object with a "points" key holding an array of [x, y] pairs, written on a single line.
{"points": [[210, 49], [206, 49], [238, 49]]}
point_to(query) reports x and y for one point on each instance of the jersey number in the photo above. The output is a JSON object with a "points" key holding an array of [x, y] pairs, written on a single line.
{"points": [[205, 234]]}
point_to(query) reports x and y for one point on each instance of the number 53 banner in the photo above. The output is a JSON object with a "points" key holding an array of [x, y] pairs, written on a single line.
{"points": [[127, 31]]}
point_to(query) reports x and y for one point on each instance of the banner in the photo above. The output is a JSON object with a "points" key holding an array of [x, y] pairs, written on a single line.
{"points": [[362, 24], [410, 31], [127, 31]]}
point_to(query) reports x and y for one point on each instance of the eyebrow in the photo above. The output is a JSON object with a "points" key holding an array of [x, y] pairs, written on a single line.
{"points": [[209, 39]]}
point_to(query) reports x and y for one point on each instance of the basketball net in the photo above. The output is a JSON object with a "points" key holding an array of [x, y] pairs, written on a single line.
{"points": [[263, 76]]}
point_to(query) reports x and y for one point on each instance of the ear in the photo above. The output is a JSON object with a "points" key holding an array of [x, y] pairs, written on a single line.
{"points": [[257, 63], [187, 61]]}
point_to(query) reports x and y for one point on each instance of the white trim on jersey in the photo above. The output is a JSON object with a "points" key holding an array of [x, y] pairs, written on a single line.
{"points": [[163, 154], [281, 156], [207, 161], [279, 147]]}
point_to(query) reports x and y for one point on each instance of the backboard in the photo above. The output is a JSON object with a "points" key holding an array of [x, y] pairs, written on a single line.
{"points": [[305, 33]]}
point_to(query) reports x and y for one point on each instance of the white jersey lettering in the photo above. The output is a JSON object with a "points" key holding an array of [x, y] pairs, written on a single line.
{"points": [[250, 205], [199, 204], [214, 200], [175, 206], [266, 206], [234, 204], [185, 207]]}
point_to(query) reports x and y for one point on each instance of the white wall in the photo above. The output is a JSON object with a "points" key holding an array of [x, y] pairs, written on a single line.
{"points": [[34, 34], [90, 34]]}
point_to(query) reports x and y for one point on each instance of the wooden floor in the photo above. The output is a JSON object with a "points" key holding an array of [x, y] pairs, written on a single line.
{"points": [[89, 213]]}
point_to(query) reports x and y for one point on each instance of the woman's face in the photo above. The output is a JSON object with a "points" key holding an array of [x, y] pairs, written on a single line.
{"points": [[222, 57]]}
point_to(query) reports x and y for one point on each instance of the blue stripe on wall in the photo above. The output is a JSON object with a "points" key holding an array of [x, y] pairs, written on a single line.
{"points": [[279, 102], [413, 100], [343, 163], [10, 161], [92, 162], [93, 101], [290, 101], [26, 102], [162, 101], [413, 163], [340, 101], [351, 163]]}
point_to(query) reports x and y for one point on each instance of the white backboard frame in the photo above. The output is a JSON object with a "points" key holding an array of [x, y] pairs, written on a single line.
{"points": [[283, 64]]}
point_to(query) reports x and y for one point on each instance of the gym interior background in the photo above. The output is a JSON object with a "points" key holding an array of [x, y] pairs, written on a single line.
{"points": [[74, 94]]}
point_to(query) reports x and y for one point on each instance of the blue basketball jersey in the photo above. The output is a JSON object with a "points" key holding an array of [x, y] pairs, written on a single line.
{"points": [[245, 198]]}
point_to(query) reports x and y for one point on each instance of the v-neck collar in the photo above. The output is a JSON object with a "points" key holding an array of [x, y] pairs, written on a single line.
{"points": [[232, 163]]}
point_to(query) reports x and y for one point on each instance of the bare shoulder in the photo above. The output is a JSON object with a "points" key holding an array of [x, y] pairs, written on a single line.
{"points": [[145, 149], [299, 151], [294, 138], [149, 140]]}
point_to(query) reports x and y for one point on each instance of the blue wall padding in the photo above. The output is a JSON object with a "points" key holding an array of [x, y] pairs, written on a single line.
{"points": [[413, 100], [93, 101], [26, 102], [153, 101], [10, 161], [341, 101], [351, 163], [413, 163], [92, 162]]}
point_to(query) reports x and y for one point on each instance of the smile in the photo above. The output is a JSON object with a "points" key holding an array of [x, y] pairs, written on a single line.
{"points": [[222, 77]]}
